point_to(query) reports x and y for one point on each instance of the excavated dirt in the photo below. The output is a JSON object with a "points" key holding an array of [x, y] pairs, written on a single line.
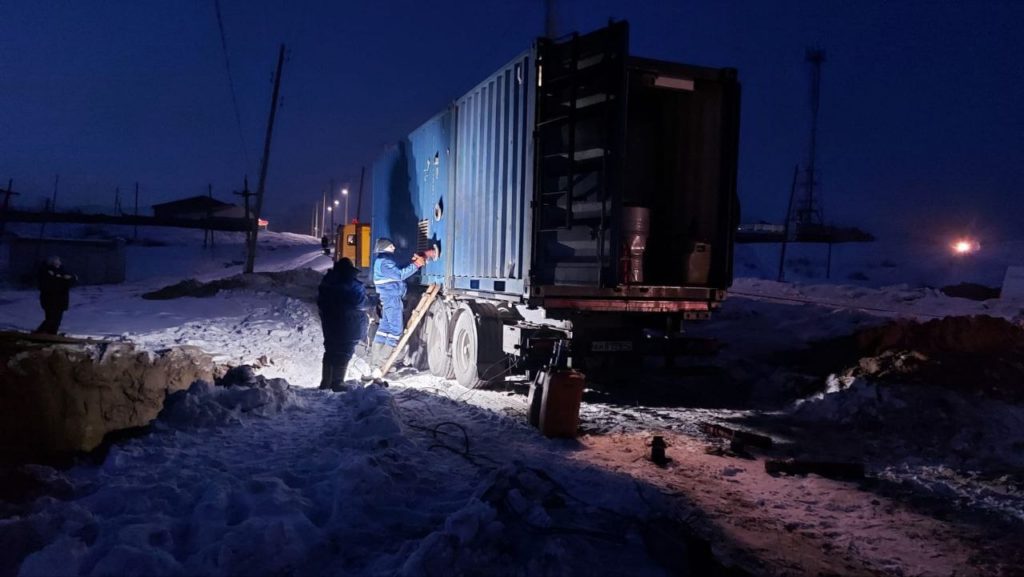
{"points": [[972, 291], [978, 355], [63, 397]]}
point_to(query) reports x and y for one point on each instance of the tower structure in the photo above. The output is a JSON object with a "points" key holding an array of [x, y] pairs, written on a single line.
{"points": [[805, 208]]}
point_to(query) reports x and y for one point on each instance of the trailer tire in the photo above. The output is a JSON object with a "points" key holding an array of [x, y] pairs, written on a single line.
{"points": [[476, 346], [437, 324]]}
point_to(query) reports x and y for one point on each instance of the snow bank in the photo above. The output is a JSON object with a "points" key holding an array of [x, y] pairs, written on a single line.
{"points": [[205, 494], [521, 521], [847, 400], [239, 395]]}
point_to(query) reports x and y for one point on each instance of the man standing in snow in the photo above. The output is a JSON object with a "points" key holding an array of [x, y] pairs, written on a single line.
{"points": [[389, 279], [54, 289], [325, 243], [343, 304]]}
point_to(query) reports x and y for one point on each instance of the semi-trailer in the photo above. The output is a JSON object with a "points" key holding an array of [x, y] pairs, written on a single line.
{"points": [[578, 193]]}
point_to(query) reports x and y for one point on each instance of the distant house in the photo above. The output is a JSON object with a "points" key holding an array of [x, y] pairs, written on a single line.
{"points": [[197, 207]]}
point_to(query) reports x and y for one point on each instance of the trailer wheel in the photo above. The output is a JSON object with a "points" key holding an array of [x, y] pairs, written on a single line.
{"points": [[438, 359], [476, 346]]}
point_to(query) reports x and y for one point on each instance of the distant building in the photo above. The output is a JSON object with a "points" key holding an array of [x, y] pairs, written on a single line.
{"points": [[198, 207]]}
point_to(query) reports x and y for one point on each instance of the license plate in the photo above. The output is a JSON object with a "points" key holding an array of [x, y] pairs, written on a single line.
{"points": [[611, 346]]}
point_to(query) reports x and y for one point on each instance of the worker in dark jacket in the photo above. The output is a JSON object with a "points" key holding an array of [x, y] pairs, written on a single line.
{"points": [[343, 305], [54, 288], [389, 280], [325, 243]]}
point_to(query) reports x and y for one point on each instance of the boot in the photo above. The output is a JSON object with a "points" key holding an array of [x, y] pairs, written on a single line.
{"points": [[382, 357], [375, 354], [376, 359]]}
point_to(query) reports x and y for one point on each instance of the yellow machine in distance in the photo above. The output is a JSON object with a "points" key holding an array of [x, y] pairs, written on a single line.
{"points": [[353, 242]]}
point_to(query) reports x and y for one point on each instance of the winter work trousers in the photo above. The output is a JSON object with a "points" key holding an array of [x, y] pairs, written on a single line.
{"points": [[334, 366], [390, 328], [51, 324]]}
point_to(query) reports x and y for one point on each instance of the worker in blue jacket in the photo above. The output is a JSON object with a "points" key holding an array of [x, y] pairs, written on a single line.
{"points": [[343, 304], [389, 279]]}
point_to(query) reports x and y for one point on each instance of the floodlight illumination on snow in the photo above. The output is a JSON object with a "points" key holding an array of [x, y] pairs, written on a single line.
{"points": [[965, 246]]}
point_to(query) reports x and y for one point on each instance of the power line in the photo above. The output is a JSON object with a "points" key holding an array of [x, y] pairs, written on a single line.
{"points": [[231, 83]]}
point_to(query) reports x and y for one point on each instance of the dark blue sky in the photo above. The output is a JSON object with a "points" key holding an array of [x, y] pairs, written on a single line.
{"points": [[921, 126]]}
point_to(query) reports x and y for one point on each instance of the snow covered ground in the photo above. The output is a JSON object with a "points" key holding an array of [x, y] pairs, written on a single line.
{"points": [[270, 476]]}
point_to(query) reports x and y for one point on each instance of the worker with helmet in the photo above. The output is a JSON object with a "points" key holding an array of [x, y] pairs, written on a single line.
{"points": [[389, 280]]}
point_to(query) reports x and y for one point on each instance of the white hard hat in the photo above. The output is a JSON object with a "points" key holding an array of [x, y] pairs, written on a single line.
{"points": [[384, 245]]}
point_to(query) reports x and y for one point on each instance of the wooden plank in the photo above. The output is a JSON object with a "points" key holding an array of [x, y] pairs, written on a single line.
{"points": [[417, 314], [735, 435]]}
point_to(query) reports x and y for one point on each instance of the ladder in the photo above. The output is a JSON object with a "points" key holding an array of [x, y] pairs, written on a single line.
{"points": [[417, 315], [578, 147]]}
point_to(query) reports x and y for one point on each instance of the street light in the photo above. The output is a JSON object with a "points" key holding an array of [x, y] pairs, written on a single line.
{"points": [[344, 192], [330, 209]]}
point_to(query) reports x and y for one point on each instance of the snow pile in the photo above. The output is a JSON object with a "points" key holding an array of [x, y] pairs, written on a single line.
{"points": [[337, 483], [224, 501], [999, 493], [499, 528], [847, 400], [239, 394]]}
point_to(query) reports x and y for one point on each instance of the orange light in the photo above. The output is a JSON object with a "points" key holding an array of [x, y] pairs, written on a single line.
{"points": [[965, 246]]}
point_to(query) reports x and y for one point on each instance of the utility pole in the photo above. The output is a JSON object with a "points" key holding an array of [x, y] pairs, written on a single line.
{"points": [[786, 230], [51, 205], [56, 183], [7, 205], [117, 201], [359, 201], [344, 192], [316, 219], [245, 194], [250, 261], [136, 211], [208, 232]]}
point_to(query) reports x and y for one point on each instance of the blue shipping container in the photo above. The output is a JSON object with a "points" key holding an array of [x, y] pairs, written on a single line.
{"points": [[410, 190]]}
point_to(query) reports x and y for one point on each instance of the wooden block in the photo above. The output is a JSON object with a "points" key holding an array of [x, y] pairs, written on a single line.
{"points": [[737, 436]]}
